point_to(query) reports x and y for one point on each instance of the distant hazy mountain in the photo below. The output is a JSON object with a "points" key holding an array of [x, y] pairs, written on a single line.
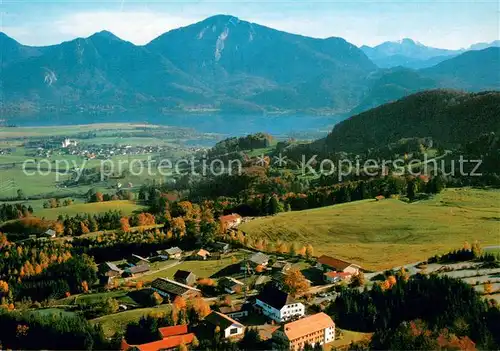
{"points": [[222, 64], [407, 53], [411, 54], [482, 46], [449, 117], [471, 71]]}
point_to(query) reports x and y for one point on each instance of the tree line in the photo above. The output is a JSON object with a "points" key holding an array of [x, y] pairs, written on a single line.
{"points": [[442, 303]]}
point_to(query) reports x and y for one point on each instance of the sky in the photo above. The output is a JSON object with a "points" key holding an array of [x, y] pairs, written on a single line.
{"points": [[437, 23]]}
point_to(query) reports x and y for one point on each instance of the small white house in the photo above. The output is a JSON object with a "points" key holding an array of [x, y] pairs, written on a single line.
{"points": [[278, 305], [229, 328]]}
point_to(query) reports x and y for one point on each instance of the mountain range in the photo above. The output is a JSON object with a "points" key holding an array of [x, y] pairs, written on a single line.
{"points": [[411, 54], [225, 64]]}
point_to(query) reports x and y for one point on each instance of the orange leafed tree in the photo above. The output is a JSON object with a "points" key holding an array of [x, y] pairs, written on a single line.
{"points": [[205, 282], [180, 303], [295, 282], [59, 228], [488, 287], [124, 224], [178, 227], [84, 228], [201, 307], [99, 197], [4, 287], [281, 248], [144, 219]]}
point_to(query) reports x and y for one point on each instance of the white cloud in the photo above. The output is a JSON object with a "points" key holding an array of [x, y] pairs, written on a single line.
{"points": [[137, 27]]}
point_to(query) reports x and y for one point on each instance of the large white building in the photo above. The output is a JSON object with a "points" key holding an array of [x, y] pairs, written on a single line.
{"points": [[278, 305], [316, 329]]}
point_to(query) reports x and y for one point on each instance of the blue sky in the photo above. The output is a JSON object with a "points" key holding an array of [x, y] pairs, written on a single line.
{"points": [[445, 24]]}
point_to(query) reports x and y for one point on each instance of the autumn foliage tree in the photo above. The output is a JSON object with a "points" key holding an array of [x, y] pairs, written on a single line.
{"points": [[488, 287], [295, 282], [124, 225], [200, 308]]}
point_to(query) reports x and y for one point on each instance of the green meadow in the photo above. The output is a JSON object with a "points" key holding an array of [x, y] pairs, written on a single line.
{"points": [[388, 233]]}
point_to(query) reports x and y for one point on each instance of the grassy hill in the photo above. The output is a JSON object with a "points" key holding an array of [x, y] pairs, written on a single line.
{"points": [[388, 233], [127, 207]]}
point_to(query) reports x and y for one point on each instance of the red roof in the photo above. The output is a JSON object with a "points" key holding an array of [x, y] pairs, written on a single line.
{"points": [[335, 263], [175, 330], [167, 343], [230, 218], [338, 274]]}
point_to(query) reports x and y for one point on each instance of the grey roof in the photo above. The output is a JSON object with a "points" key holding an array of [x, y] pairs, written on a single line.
{"points": [[173, 250], [171, 286], [140, 258], [138, 269], [259, 258], [112, 267], [50, 232], [281, 264], [234, 308]]}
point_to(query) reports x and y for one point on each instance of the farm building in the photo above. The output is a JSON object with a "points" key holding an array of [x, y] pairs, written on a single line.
{"points": [[185, 277], [235, 311], [221, 247], [231, 285], [230, 221], [171, 339], [330, 264], [170, 288], [109, 269], [132, 271], [201, 255], [138, 260]]}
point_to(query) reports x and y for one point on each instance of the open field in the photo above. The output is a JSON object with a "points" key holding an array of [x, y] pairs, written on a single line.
{"points": [[127, 207], [65, 130], [388, 233], [121, 296], [118, 321], [347, 338]]}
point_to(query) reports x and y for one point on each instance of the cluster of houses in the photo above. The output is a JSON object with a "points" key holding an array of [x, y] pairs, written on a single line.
{"points": [[293, 327], [288, 315], [137, 264]]}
